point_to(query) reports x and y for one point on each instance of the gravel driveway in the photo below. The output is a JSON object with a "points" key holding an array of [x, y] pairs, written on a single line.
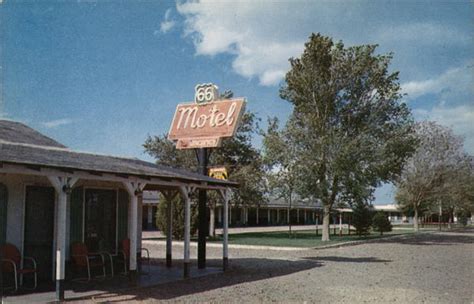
{"points": [[425, 268]]}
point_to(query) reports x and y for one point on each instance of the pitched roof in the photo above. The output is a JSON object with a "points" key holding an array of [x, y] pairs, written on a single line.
{"points": [[16, 132], [58, 156]]}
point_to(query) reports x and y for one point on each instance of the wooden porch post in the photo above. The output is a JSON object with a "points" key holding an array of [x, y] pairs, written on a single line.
{"points": [[63, 186], [225, 248], [212, 220], [134, 189], [185, 191], [139, 222]]}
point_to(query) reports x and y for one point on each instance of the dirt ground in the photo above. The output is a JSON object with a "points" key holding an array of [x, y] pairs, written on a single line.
{"points": [[424, 268]]}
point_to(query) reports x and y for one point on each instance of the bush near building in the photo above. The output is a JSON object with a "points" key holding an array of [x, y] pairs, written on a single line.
{"points": [[178, 218], [381, 223], [361, 218], [463, 217]]}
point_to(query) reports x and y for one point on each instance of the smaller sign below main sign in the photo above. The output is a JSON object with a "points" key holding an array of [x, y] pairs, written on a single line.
{"points": [[218, 173], [203, 142]]}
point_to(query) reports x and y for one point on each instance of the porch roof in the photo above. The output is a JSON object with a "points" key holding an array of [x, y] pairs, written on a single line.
{"points": [[30, 148]]}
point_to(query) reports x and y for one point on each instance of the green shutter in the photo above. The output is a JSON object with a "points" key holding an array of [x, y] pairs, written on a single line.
{"points": [[3, 213], [122, 215], [77, 198]]}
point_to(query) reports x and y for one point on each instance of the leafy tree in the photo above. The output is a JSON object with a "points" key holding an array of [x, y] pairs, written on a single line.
{"points": [[242, 160], [361, 217], [428, 175], [381, 223], [348, 126], [457, 190], [177, 219], [279, 155]]}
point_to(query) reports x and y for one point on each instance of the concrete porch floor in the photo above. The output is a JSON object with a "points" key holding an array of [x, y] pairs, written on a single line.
{"points": [[158, 274]]}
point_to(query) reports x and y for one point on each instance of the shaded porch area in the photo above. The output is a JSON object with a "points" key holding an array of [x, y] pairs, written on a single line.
{"points": [[156, 275], [59, 207]]}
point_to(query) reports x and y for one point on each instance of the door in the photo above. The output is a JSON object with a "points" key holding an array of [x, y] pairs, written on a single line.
{"points": [[39, 228], [100, 228]]}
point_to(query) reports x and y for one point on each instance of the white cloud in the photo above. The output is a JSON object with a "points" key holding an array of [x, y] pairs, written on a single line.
{"points": [[167, 24], [263, 35], [421, 33], [247, 30], [454, 81], [459, 118], [57, 123]]}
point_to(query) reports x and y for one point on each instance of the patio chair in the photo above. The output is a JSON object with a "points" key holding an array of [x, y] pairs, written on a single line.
{"points": [[82, 258], [124, 255], [11, 263]]}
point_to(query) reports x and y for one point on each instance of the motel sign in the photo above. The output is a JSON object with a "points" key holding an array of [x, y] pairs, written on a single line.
{"points": [[204, 123]]}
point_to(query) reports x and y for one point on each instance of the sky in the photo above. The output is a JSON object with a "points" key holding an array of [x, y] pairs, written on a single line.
{"points": [[101, 76]]}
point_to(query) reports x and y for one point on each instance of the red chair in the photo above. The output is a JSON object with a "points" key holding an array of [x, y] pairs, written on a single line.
{"points": [[83, 259], [125, 255], [11, 263]]}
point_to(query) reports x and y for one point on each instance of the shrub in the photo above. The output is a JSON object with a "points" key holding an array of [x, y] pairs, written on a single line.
{"points": [[361, 218], [463, 217], [381, 223], [178, 217]]}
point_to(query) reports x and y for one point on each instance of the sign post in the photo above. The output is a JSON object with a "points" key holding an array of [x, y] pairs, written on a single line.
{"points": [[202, 125]]}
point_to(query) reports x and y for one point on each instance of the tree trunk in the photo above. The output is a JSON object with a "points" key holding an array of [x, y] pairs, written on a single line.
{"points": [[289, 222], [440, 216], [326, 215], [415, 221]]}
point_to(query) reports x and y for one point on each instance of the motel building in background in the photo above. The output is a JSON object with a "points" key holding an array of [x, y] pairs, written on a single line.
{"points": [[52, 198], [272, 213]]}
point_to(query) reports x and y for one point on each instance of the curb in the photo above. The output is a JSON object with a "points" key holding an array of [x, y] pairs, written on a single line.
{"points": [[232, 246]]}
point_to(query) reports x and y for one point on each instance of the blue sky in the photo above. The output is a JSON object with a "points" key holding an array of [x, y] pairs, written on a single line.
{"points": [[101, 76]]}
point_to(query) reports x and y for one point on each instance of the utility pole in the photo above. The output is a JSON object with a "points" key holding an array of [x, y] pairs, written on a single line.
{"points": [[1, 274]]}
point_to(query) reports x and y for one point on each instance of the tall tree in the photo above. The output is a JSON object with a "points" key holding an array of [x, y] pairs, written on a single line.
{"points": [[455, 194], [428, 174], [283, 167], [352, 132]]}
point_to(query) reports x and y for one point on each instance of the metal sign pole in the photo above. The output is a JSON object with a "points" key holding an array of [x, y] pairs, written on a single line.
{"points": [[203, 159], [1, 273]]}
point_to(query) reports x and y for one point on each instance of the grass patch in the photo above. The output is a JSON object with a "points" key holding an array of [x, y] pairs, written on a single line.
{"points": [[302, 238]]}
